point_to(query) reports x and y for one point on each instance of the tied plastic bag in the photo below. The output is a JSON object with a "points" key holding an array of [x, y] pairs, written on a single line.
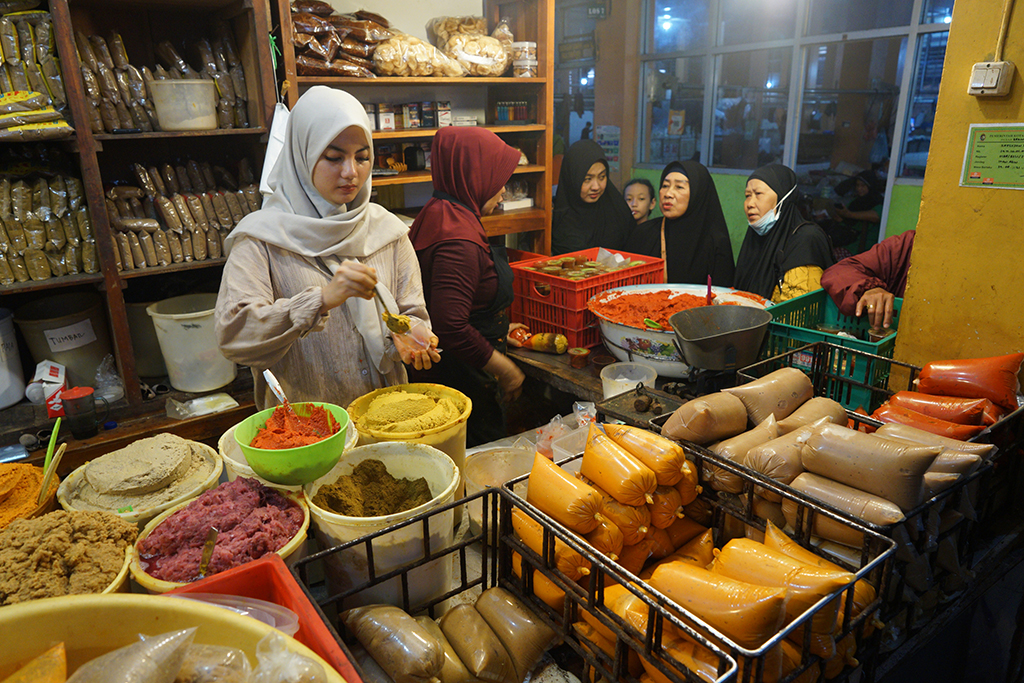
{"points": [[441, 29], [214, 664], [480, 55], [108, 383], [277, 664], [405, 55], [546, 434], [416, 339], [153, 660]]}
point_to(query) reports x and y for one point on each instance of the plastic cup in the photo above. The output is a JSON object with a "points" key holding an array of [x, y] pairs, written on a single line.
{"points": [[619, 378]]}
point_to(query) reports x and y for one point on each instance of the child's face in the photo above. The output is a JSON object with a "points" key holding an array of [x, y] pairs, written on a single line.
{"points": [[640, 201]]}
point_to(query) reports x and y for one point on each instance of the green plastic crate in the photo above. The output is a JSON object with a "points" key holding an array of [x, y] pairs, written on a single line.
{"points": [[794, 324]]}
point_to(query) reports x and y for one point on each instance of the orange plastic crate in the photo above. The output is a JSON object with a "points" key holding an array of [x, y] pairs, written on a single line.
{"points": [[547, 303], [574, 294], [268, 578]]}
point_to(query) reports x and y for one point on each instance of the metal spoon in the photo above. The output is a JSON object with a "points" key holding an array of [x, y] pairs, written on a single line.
{"points": [[398, 324], [278, 391]]}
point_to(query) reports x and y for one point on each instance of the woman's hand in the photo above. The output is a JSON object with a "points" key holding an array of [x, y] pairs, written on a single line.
{"points": [[350, 279], [516, 340], [878, 304], [510, 377], [419, 358]]}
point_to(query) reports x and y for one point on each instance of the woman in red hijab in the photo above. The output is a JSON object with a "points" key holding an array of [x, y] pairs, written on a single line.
{"points": [[467, 281]]}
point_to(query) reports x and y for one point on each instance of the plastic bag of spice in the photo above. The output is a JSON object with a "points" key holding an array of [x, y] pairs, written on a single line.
{"points": [[403, 648], [152, 660], [277, 664]]}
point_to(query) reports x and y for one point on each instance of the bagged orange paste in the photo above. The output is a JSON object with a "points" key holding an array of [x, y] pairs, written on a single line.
{"points": [[287, 429]]}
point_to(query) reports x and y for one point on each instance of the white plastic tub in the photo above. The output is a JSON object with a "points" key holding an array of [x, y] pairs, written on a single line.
{"points": [[12, 380], [398, 548], [619, 378], [184, 328], [490, 469], [185, 104]]}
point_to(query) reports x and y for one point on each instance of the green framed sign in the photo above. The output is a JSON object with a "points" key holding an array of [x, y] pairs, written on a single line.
{"points": [[994, 156]]}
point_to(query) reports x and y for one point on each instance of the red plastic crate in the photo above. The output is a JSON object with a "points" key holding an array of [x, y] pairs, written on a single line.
{"points": [[268, 578], [546, 303], [573, 294]]}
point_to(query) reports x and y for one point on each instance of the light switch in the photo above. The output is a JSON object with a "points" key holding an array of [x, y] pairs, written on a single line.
{"points": [[978, 74], [991, 79]]}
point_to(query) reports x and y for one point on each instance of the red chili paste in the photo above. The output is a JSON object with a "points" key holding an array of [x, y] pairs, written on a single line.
{"points": [[286, 429], [631, 309]]}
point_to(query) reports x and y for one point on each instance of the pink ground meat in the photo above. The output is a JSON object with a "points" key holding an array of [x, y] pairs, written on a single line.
{"points": [[252, 521]]}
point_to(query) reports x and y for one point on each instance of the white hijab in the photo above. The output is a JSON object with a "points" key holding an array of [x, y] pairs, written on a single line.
{"points": [[298, 218]]}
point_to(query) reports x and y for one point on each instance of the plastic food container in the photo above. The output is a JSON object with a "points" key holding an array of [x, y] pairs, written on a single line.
{"points": [[490, 469], [184, 328], [293, 466], [92, 625], [349, 569], [185, 104], [619, 378], [524, 68], [281, 618], [292, 551], [141, 516], [524, 49], [236, 465]]}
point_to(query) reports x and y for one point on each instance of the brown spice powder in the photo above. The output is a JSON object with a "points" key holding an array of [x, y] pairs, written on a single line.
{"points": [[370, 491]]}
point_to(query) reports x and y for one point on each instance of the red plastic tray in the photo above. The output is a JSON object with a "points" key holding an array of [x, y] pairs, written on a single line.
{"points": [[268, 579]]}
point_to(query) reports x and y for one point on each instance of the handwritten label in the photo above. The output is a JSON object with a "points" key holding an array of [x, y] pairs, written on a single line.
{"points": [[70, 337]]}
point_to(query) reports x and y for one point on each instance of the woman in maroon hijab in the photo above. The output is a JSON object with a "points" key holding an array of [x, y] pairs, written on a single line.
{"points": [[467, 281]]}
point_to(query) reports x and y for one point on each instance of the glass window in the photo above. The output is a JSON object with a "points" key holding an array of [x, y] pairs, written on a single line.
{"points": [[750, 108], [673, 109], [841, 16], [849, 105], [924, 93], [755, 21], [678, 25], [937, 12]]}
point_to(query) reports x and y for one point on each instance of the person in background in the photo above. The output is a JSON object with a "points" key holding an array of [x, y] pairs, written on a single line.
{"points": [[861, 217], [467, 280], [640, 197], [691, 235], [585, 133], [869, 282], [296, 295], [782, 255], [588, 210]]}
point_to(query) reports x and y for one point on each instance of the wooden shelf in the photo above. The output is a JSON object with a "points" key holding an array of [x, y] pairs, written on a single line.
{"points": [[173, 268], [415, 80], [52, 283], [409, 177], [409, 133], [180, 134]]}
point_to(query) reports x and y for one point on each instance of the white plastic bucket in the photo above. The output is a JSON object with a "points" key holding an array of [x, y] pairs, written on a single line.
{"points": [[12, 379], [184, 328], [490, 469], [400, 547], [70, 329], [236, 465], [619, 378], [149, 362]]}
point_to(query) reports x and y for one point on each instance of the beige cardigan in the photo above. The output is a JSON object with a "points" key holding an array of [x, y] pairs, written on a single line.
{"points": [[268, 316]]}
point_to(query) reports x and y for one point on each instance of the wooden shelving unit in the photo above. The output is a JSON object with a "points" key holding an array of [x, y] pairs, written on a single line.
{"points": [[531, 20], [105, 159]]}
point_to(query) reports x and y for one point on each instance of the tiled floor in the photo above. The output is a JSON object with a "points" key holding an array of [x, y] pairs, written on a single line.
{"points": [[978, 645]]}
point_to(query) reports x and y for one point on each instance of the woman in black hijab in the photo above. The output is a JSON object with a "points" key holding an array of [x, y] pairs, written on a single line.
{"points": [[692, 235], [782, 256], [588, 211], [862, 215]]}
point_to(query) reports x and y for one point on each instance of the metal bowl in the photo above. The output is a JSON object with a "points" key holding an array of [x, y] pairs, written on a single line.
{"points": [[720, 337], [657, 348]]}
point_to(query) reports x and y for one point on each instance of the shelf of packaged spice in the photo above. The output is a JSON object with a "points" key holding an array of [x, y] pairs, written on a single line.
{"points": [[52, 283], [415, 80], [407, 133], [408, 177], [180, 134], [172, 268]]}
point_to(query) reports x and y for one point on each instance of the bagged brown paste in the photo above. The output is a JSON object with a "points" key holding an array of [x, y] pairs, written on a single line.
{"points": [[397, 642], [522, 632], [477, 645]]}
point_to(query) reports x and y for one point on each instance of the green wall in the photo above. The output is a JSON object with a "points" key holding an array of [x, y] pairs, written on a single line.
{"points": [[903, 211]]}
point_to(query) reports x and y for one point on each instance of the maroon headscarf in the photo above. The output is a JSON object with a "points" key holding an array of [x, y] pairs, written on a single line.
{"points": [[471, 165]]}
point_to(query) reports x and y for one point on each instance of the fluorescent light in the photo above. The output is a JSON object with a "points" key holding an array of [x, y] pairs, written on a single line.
{"points": [[666, 26]]}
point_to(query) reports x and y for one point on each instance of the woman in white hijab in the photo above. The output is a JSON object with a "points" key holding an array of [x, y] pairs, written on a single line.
{"points": [[297, 291]]}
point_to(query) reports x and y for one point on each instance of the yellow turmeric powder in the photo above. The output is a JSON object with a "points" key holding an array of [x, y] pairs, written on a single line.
{"points": [[19, 490]]}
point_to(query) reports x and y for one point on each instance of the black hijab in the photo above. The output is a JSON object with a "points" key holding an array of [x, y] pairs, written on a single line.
{"points": [[791, 243], [869, 201], [697, 243], [577, 225]]}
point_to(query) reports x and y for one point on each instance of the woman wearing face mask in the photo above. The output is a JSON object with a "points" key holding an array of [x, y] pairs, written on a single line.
{"points": [[640, 198], [782, 256], [588, 211], [296, 295], [467, 280], [692, 235]]}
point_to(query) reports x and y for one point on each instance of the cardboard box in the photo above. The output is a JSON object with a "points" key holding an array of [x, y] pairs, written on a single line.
{"points": [[443, 111], [371, 113], [46, 387], [408, 116], [385, 117], [428, 118], [511, 204]]}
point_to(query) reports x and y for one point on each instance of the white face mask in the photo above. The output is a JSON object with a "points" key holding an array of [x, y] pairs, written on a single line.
{"points": [[763, 224]]}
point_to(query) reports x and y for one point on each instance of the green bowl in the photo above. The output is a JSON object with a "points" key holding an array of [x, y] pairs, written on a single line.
{"points": [[293, 466]]}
